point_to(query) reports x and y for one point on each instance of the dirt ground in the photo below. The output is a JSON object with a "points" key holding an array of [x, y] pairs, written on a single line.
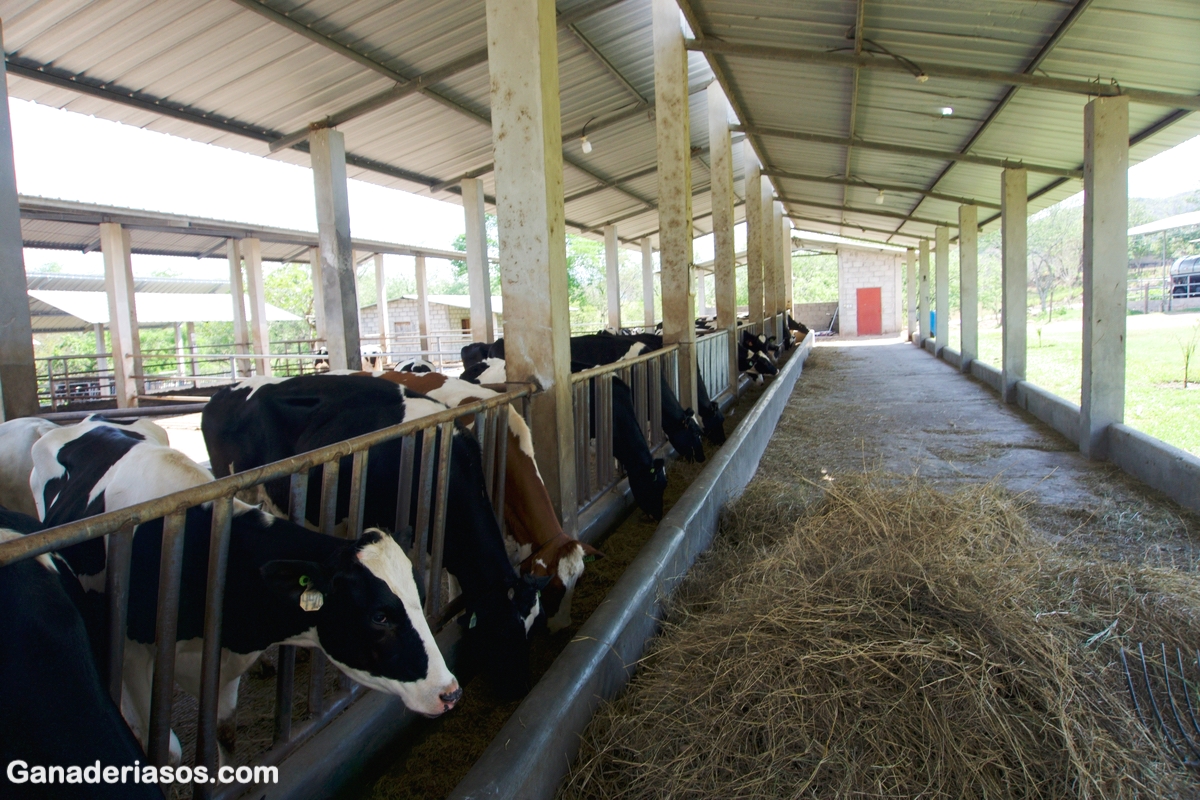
{"points": [[432, 763], [885, 404]]}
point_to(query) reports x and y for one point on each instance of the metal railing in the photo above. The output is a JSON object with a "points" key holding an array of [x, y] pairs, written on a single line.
{"points": [[712, 359], [774, 325], [596, 469], [491, 419]]}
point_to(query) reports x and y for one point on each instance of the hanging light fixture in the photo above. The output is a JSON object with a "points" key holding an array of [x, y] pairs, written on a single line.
{"points": [[584, 144], [879, 198], [947, 111]]}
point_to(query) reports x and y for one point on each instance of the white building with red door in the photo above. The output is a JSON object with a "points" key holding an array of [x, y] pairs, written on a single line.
{"points": [[870, 291]]}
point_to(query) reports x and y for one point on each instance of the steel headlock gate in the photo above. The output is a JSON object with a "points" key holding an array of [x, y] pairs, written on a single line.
{"points": [[425, 454]]}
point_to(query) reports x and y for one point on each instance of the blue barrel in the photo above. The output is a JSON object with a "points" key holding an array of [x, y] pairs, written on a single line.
{"points": [[932, 320]]}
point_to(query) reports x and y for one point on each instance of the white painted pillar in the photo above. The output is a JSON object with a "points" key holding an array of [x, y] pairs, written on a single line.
{"points": [[527, 143], [674, 191], [770, 248], [191, 346], [139, 365], [910, 261], [381, 303], [942, 303], [260, 331], [754, 232], [101, 360], [612, 276], [18, 376], [118, 283], [780, 258], [422, 302], [923, 292], [647, 285], [1014, 280], [1105, 269], [968, 282], [237, 294], [327, 153], [314, 266], [479, 280], [724, 255], [701, 296]]}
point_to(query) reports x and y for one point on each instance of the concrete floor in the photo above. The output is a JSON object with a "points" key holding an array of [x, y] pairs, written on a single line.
{"points": [[885, 404]]}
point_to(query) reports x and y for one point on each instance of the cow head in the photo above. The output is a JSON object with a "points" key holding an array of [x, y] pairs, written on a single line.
{"points": [[496, 640], [687, 440], [648, 488], [367, 617], [714, 425], [558, 565]]}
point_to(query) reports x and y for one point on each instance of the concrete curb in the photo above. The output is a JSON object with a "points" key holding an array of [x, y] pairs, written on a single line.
{"points": [[534, 750]]}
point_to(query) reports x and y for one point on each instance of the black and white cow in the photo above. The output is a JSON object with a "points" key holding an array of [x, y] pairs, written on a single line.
{"points": [[753, 359], [647, 475], [798, 329], [417, 365], [710, 412], [57, 712], [368, 619], [246, 427], [16, 441]]}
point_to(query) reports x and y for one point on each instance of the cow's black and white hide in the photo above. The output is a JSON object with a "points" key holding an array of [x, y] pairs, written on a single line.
{"points": [[244, 430]]}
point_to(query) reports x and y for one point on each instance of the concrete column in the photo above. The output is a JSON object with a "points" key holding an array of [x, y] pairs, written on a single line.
{"points": [[785, 232], [721, 191], [674, 191], [136, 340], [381, 302], [179, 348], [968, 282], [770, 248], [701, 298], [118, 282], [781, 255], [923, 292], [101, 360], [241, 336], [910, 261], [942, 271], [647, 285], [527, 143], [259, 329], [754, 232], [422, 302], [314, 266], [191, 346], [1105, 269], [18, 377], [612, 274], [327, 152], [1014, 280], [479, 279]]}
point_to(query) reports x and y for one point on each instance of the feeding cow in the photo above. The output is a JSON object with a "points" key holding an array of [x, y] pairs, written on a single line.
{"points": [[355, 600], [542, 549], [647, 475], [799, 329], [753, 359], [58, 717], [246, 427]]}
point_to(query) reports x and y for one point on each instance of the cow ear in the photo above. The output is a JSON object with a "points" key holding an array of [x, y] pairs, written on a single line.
{"points": [[301, 583], [590, 553], [405, 538]]}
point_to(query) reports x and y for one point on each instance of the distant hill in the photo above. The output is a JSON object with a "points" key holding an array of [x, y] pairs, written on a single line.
{"points": [[1151, 209]]}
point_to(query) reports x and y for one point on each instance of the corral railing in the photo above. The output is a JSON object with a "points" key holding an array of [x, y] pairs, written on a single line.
{"points": [[596, 469], [428, 506], [712, 359]]}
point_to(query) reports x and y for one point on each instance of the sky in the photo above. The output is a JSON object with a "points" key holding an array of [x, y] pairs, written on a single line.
{"points": [[69, 156]]}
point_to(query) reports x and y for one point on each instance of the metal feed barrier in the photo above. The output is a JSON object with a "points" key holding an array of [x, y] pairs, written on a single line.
{"points": [[596, 470], [491, 423], [712, 359]]}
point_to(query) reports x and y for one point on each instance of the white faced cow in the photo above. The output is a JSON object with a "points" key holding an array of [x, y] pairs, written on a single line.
{"points": [[367, 618]]}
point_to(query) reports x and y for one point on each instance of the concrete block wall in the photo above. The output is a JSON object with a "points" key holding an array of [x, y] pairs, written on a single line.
{"points": [[402, 314], [816, 316], [861, 269]]}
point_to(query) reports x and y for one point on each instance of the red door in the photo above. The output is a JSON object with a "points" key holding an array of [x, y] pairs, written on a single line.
{"points": [[870, 312]]}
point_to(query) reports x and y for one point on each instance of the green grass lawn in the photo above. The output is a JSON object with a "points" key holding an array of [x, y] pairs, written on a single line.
{"points": [[1155, 401]]}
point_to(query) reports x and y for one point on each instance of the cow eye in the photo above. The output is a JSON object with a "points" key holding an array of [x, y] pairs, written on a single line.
{"points": [[379, 618]]}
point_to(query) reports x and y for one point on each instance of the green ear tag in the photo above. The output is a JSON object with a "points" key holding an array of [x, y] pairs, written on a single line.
{"points": [[588, 559], [474, 619], [305, 580]]}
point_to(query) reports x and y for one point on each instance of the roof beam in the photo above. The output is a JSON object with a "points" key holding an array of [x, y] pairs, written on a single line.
{"points": [[920, 152], [872, 212], [888, 187], [859, 16], [836, 224], [948, 71], [1041, 55], [608, 65], [405, 86]]}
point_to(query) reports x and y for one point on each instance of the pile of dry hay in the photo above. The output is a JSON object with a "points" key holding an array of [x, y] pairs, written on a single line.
{"points": [[893, 642]]}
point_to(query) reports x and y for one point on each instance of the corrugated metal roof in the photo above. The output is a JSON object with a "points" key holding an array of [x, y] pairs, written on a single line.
{"points": [[223, 71]]}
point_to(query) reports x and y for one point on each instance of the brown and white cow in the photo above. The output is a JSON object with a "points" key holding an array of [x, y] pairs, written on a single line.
{"points": [[539, 544]]}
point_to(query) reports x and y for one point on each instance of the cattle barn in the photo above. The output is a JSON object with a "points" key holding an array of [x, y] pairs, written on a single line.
{"points": [[888, 133]]}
